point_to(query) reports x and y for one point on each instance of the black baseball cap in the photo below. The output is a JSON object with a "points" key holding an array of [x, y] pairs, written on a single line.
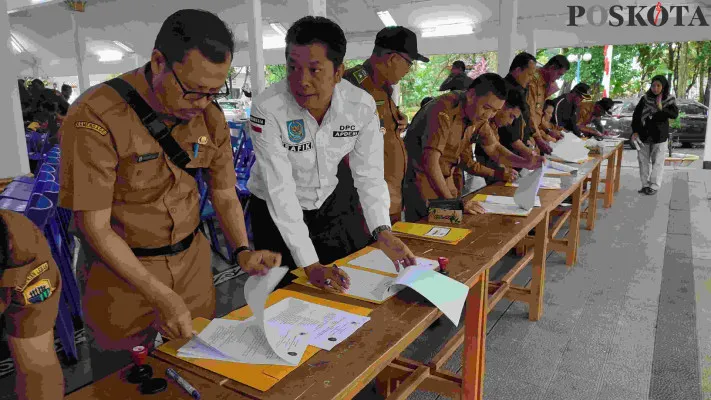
{"points": [[606, 104], [582, 89], [401, 40]]}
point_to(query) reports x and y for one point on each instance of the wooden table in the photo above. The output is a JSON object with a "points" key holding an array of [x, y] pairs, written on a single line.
{"points": [[115, 386], [613, 156], [373, 351]]}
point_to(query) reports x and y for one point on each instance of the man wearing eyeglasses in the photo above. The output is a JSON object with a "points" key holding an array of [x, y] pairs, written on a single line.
{"points": [[129, 157], [393, 55]]}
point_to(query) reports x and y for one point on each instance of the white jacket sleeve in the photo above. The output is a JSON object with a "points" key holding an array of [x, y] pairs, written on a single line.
{"points": [[275, 168]]}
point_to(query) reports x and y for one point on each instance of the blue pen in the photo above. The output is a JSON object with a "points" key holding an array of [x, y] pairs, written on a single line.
{"points": [[196, 146], [183, 383]]}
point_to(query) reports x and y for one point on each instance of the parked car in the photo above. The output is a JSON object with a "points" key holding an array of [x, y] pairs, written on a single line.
{"points": [[693, 121]]}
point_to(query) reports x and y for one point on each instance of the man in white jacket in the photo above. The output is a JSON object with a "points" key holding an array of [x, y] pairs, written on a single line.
{"points": [[301, 129]]}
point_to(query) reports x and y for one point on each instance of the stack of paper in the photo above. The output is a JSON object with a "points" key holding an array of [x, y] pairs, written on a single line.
{"points": [[503, 205], [370, 282], [562, 168], [546, 183], [277, 335], [434, 233], [570, 150]]}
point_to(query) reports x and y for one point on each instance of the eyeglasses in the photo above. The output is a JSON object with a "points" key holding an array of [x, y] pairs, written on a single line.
{"points": [[194, 96], [407, 60]]}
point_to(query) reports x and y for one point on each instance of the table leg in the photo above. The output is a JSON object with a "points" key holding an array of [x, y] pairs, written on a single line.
{"points": [[610, 180], [618, 168], [592, 199], [535, 306], [475, 340], [574, 228]]}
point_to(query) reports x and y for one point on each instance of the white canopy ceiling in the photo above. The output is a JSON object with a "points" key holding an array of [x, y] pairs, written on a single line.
{"points": [[44, 28]]}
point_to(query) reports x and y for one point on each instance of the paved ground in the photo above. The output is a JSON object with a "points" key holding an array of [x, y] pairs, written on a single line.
{"points": [[632, 320]]}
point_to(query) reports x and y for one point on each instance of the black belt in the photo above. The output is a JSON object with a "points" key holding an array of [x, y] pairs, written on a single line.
{"points": [[167, 250]]}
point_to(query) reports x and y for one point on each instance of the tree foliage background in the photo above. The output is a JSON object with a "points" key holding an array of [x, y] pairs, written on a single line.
{"points": [[686, 65]]}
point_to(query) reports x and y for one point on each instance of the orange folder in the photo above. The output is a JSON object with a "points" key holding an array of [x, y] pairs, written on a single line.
{"points": [[260, 377]]}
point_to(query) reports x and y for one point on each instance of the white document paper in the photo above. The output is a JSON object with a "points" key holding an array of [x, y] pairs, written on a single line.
{"points": [[505, 209], [526, 195], [570, 149], [548, 182], [328, 326], [246, 342], [254, 341], [445, 293], [368, 285], [256, 290], [379, 261], [506, 200], [560, 167]]}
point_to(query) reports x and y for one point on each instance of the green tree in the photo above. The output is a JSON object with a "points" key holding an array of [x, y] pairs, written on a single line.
{"points": [[274, 73]]}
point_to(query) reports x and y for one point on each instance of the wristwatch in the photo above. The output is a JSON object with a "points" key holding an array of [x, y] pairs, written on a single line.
{"points": [[379, 229], [237, 251]]}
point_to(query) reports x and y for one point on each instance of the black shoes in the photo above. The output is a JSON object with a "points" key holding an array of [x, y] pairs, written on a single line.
{"points": [[647, 191]]}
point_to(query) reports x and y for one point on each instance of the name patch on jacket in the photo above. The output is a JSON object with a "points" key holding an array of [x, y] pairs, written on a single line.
{"points": [[298, 148], [256, 120], [146, 157], [346, 131]]}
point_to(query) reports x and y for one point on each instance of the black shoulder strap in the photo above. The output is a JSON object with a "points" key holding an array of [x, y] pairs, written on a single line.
{"points": [[157, 129]]}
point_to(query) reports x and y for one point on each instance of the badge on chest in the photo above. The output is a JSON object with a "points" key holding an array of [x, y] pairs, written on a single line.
{"points": [[295, 130], [346, 131]]}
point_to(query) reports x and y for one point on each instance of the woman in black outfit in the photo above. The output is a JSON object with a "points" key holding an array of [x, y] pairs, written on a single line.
{"points": [[650, 124]]}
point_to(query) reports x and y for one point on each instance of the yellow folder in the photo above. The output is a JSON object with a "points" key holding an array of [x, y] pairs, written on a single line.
{"points": [[434, 233], [260, 377], [302, 279]]}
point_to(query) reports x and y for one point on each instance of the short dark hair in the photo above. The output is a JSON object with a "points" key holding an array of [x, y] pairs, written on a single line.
{"points": [[459, 64], [558, 62], [514, 99], [425, 101], [310, 29], [37, 81], [191, 29], [490, 83], [521, 61], [65, 86], [548, 103]]}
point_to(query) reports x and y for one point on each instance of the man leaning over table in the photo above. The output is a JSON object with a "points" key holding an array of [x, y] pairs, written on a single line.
{"points": [[541, 86], [301, 129], [147, 267], [439, 142]]}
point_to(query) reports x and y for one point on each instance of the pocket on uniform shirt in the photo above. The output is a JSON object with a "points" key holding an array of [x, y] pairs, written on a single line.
{"points": [[142, 171], [206, 152]]}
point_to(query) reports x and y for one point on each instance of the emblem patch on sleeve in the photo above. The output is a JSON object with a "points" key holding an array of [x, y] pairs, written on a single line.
{"points": [[33, 275], [92, 126], [296, 131], [37, 292], [360, 75]]}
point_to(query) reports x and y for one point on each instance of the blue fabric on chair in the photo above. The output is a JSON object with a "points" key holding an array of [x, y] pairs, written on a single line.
{"points": [[24, 179], [17, 190], [15, 205], [40, 210]]}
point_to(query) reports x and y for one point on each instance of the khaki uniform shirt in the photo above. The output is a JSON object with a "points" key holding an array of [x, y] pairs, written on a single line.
{"points": [[109, 160], [585, 113], [30, 285], [394, 147], [536, 98], [442, 126]]}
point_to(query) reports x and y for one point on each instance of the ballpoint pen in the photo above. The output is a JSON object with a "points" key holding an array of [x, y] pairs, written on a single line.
{"points": [[183, 383]]}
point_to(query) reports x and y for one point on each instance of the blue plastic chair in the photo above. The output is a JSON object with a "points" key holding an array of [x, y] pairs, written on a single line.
{"points": [[7, 203], [39, 210]]}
